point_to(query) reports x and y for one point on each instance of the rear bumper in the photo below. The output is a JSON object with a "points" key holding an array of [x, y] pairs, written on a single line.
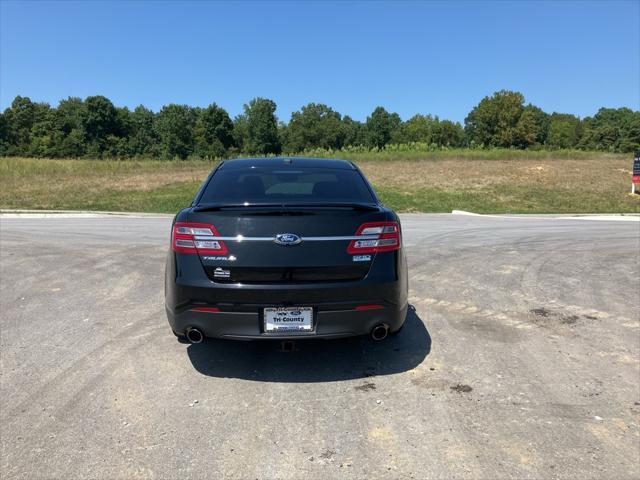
{"points": [[241, 305], [248, 325]]}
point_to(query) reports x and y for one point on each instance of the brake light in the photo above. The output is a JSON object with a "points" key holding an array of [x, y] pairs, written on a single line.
{"points": [[188, 237], [384, 237]]}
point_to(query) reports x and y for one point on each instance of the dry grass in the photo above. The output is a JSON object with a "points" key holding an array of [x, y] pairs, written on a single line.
{"points": [[47, 183], [563, 185], [603, 175], [594, 183]]}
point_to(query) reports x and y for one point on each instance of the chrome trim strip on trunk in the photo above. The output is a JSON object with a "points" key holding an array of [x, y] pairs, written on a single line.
{"points": [[350, 237], [240, 238]]}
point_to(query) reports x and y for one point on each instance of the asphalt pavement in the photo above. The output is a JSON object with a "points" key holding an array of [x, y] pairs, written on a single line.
{"points": [[520, 358]]}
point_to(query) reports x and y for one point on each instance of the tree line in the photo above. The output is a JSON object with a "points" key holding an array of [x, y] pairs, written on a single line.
{"points": [[96, 128]]}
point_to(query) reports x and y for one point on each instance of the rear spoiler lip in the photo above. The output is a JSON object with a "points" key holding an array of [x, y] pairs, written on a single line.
{"points": [[318, 205]]}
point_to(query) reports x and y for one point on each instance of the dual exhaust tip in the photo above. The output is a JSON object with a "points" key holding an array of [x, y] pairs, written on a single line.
{"points": [[378, 333]]}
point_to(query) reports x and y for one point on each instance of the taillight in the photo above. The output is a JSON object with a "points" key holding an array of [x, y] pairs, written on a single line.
{"points": [[384, 237], [188, 237]]}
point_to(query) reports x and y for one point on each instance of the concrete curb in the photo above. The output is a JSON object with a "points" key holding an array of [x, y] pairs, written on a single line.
{"points": [[627, 217], [76, 214], [611, 217]]}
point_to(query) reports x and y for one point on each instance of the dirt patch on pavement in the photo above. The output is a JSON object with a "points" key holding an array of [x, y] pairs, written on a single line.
{"points": [[461, 388], [366, 387], [545, 317]]}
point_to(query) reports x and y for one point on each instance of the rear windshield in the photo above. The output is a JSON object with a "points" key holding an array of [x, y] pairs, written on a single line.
{"points": [[266, 185]]}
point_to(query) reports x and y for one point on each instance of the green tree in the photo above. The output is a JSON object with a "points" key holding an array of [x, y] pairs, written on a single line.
{"points": [[381, 126], [315, 126], [447, 133], [612, 129], [143, 138], [630, 140], [70, 115], [175, 126], [69, 136], [532, 127], [213, 132], [20, 117], [95, 127], [43, 142], [100, 125], [283, 137], [262, 127], [241, 132], [116, 144], [494, 121], [73, 145], [418, 128], [564, 131], [355, 133], [4, 135], [101, 117], [124, 122]]}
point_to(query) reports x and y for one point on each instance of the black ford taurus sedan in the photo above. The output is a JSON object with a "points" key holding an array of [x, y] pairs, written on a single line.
{"points": [[285, 248]]}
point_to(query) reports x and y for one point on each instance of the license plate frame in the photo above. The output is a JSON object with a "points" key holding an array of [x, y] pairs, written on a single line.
{"points": [[279, 320]]}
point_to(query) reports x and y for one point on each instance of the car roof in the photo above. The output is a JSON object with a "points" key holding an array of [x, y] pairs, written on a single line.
{"points": [[300, 162]]}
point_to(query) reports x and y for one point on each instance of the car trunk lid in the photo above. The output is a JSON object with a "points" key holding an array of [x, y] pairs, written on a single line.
{"points": [[286, 244]]}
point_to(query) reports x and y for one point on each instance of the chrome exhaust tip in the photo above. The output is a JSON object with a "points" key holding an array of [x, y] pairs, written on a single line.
{"points": [[380, 332], [194, 335]]}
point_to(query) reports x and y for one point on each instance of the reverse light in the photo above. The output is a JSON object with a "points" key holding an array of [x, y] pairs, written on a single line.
{"points": [[388, 238], [189, 237]]}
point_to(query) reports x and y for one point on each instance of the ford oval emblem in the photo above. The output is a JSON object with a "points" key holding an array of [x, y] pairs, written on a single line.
{"points": [[287, 239]]}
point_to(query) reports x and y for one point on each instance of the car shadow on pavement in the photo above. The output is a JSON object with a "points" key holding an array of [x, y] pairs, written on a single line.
{"points": [[314, 360]]}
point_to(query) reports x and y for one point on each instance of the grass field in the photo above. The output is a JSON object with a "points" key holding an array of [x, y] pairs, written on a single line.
{"points": [[502, 182]]}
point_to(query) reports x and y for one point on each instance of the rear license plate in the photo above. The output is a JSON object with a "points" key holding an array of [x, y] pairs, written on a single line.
{"points": [[288, 319]]}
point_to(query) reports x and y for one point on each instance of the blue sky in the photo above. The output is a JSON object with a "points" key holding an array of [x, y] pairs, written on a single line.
{"points": [[411, 57]]}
